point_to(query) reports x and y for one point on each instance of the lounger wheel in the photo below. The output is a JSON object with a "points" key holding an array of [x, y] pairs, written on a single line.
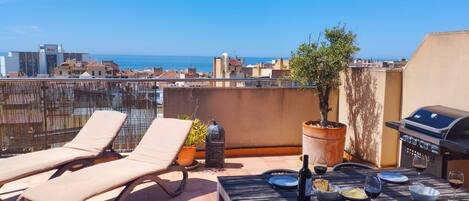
{"points": [[154, 177]]}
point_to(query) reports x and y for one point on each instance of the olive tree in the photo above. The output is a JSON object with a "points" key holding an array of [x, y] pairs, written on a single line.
{"points": [[320, 64]]}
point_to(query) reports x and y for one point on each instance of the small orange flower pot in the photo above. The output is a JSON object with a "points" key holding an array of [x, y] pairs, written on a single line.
{"points": [[186, 156]]}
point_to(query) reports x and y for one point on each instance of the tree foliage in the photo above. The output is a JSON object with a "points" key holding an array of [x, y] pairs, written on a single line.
{"points": [[320, 63]]}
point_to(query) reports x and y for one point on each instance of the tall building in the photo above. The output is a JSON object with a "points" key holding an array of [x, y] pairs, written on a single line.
{"points": [[42, 62], [229, 67]]}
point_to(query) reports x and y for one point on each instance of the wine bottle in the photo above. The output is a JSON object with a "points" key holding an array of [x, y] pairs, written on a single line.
{"points": [[305, 179]]}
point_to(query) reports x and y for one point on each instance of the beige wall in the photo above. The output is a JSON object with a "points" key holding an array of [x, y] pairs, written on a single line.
{"points": [[368, 98], [390, 148], [252, 117], [438, 73]]}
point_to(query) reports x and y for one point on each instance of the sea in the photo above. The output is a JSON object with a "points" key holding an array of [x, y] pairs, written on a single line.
{"points": [[139, 62], [201, 63]]}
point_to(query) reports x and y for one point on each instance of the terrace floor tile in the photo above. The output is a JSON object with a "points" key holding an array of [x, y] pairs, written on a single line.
{"points": [[201, 185]]}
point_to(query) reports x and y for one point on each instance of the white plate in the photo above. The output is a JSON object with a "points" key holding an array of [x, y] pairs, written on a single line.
{"points": [[284, 181], [393, 177]]}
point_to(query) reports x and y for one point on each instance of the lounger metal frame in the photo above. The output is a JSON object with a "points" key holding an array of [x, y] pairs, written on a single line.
{"points": [[71, 166], [82, 163], [154, 177], [74, 165]]}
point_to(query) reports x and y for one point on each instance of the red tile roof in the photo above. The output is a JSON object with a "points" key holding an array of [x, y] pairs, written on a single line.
{"points": [[170, 75], [235, 62]]}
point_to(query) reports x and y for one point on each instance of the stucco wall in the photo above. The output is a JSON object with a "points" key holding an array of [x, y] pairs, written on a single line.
{"points": [[252, 117], [368, 98], [438, 73]]}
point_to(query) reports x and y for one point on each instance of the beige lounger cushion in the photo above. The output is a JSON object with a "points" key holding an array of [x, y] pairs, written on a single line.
{"points": [[96, 134], [162, 141], [155, 152], [39, 161], [85, 183]]}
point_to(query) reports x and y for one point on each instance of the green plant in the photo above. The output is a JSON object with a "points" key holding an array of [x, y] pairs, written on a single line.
{"points": [[198, 131], [320, 64]]}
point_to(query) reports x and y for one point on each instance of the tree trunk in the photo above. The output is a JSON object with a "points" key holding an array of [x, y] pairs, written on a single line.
{"points": [[324, 105]]}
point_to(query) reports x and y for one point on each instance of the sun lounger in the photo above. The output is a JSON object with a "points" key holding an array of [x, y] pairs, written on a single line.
{"points": [[90, 143], [154, 155]]}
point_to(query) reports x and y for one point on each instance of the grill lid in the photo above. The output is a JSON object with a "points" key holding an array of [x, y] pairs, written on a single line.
{"points": [[434, 120]]}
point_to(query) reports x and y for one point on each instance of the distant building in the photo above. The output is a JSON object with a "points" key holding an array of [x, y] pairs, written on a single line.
{"points": [[42, 62], [228, 67], [234, 67], [281, 64], [279, 68], [370, 63], [76, 69], [190, 71], [154, 72], [171, 75]]}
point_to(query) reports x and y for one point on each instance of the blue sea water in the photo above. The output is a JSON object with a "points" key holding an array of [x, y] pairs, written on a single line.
{"points": [[202, 63], [138, 62]]}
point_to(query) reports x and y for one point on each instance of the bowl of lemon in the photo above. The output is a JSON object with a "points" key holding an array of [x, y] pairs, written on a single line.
{"points": [[354, 194], [325, 190]]}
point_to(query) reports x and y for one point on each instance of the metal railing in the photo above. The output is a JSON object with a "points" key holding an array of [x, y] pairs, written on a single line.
{"points": [[40, 113]]}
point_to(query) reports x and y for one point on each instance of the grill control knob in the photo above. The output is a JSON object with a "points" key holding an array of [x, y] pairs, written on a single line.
{"points": [[435, 149], [424, 145], [405, 138], [415, 141]]}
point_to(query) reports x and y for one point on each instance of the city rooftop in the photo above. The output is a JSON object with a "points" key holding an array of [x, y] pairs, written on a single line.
{"points": [[297, 101]]}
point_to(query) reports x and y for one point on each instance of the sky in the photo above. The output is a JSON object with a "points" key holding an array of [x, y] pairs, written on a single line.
{"points": [[257, 28]]}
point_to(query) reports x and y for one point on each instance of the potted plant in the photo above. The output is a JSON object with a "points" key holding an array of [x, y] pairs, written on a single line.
{"points": [[320, 64], [196, 136]]}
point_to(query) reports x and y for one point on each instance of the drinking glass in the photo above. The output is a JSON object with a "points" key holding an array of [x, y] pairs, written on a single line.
{"points": [[373, 186], [420, 163], [320, 166], [456, 180]]}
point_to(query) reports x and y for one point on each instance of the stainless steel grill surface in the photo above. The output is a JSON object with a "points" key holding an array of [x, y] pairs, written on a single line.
{"points": [[439, 132]]}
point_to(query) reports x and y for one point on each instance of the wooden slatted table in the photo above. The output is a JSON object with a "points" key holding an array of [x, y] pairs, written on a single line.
{"points": [[254, 187]]}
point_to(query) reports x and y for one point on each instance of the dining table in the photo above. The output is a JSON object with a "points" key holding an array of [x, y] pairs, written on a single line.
{"points": [[256, 187]]}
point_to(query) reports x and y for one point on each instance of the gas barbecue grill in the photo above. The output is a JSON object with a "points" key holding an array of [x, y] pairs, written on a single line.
{"points": [[438, 132]]}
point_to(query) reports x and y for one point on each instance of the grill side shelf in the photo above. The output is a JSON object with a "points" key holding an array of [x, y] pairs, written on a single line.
{"points": [[393, 124], [461, 146]]}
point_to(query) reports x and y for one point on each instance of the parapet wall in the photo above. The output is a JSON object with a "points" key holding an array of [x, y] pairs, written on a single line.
{"points": [[252, 117]]}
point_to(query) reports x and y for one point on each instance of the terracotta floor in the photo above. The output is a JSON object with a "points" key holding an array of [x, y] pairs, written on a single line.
{"points": [[201, 184]]}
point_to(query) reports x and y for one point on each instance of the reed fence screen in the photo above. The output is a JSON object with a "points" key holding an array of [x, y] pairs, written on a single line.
{"points": [[38, 114]]}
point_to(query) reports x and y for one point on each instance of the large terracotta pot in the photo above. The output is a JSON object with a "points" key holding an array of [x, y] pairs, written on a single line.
{"points": [[324, 142], [186, 156]]}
